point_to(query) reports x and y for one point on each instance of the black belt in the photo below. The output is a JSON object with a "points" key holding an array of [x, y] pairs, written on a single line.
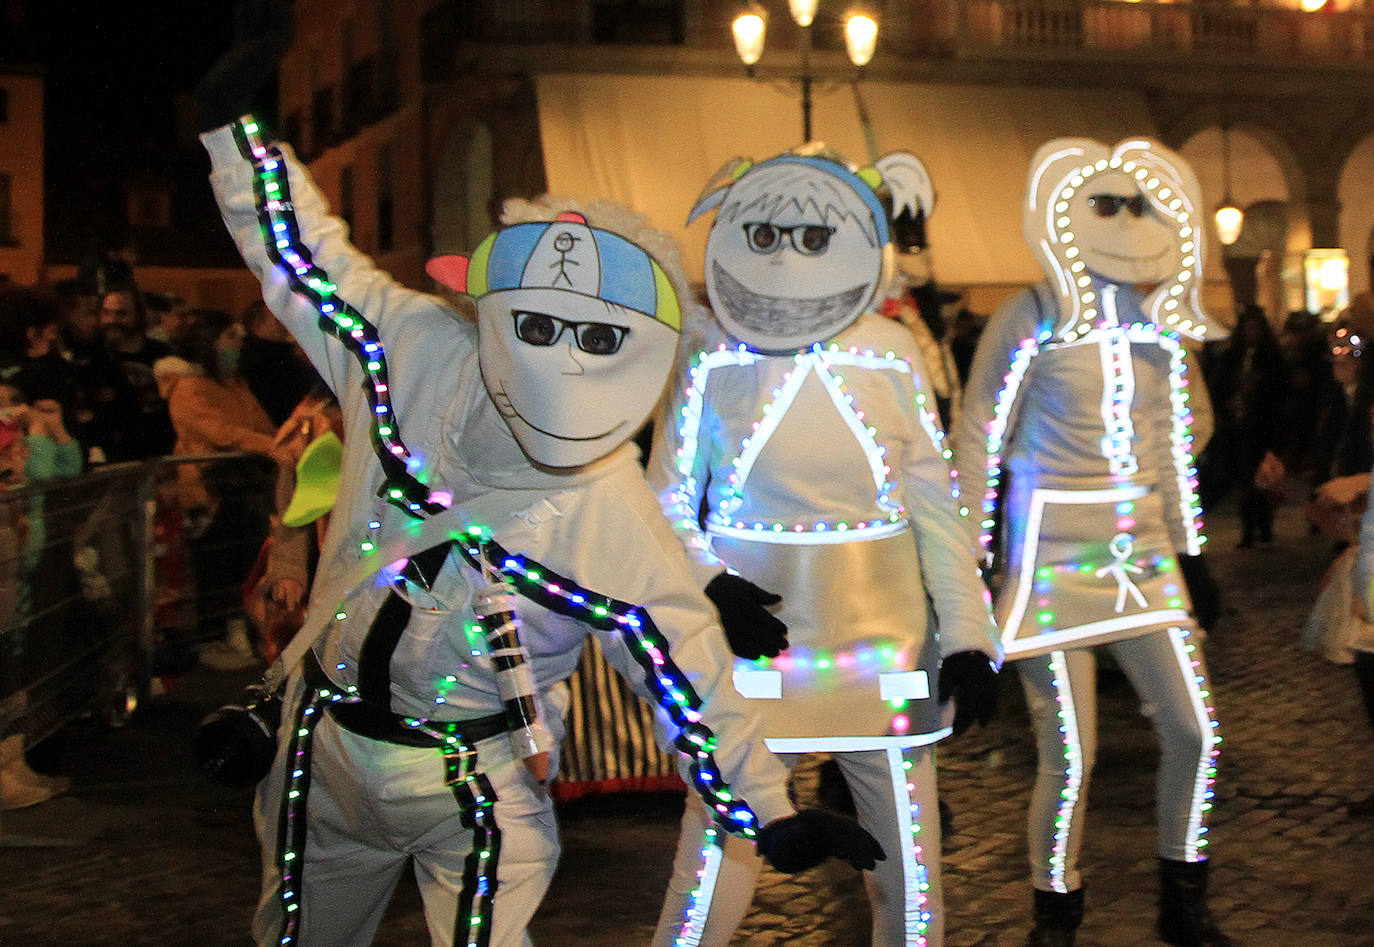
{"points": [[378, 723], [369, 720]]}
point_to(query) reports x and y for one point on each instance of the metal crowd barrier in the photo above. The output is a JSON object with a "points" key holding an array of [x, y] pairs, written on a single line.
{"points": [[105, 584], [117, 581]]}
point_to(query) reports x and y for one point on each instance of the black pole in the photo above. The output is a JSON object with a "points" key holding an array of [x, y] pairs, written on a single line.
{"points": [[806, 83]]}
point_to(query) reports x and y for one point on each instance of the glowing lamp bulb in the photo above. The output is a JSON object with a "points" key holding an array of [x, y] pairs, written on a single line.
{"points": [[860, 38], [803, 11], [749, 29], [1229, 219], [1312, 6]]}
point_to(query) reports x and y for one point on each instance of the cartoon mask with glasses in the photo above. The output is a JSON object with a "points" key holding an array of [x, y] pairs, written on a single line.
{"points": [[1128, 214], [577, 331], [795, 253]]}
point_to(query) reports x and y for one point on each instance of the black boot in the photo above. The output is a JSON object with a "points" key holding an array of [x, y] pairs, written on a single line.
{"points": [[1057, 916], [1183, 916]]}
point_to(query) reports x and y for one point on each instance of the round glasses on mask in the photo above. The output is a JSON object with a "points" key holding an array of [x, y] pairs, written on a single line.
{"points": [[1109, 205], [542, 329], [807, 239]]}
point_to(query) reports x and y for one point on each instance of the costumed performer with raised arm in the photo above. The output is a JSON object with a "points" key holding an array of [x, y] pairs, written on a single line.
{"points": [[1081, 420], [490, 514], [803, 456]]}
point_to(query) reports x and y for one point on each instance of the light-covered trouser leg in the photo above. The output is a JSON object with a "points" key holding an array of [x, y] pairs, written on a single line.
{"points": [[895, 799], [709, 895], [712, 884], [1170, 678], [506, 852], [328, 871], [367, 807], [1061, 695]]}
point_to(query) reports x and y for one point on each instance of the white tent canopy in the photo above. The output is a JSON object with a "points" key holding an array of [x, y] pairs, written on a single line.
{"points": [[653, 142]]}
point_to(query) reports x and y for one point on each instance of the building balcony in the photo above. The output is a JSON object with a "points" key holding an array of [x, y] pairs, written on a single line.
{"points": [[931, 37], [1117, 28]]}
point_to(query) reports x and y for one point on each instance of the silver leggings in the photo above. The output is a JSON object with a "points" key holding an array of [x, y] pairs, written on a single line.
{"points": [[1170, 677]]}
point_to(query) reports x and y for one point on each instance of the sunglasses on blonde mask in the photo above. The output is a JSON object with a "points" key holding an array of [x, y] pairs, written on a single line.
{"points": [[1109, 205]]}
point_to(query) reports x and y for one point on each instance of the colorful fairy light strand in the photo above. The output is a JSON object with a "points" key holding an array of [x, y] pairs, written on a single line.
{"points": [[1073, 770], [665, 680], [646, 645], [890, 517], [293, 260], [1171, 202]]}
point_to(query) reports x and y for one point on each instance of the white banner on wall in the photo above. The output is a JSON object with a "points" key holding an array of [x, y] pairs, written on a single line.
{"points": [[653, 142]]}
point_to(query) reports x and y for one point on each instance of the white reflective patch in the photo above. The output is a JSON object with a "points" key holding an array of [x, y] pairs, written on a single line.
{"points": [[846, 744], [760, 685], [908, 685]]}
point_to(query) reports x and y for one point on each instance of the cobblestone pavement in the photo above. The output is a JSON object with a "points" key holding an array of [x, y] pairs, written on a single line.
{"points": [[145, 852]]}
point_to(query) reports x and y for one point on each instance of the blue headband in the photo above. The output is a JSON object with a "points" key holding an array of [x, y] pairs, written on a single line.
{"points": [[857, 184]]}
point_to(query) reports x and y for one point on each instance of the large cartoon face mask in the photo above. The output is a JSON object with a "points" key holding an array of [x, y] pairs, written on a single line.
{"points": [[1126, 215], [795, 252], [577, 331]]}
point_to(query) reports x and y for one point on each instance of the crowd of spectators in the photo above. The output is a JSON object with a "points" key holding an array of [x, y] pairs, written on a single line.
{"points": [[93, 378]]}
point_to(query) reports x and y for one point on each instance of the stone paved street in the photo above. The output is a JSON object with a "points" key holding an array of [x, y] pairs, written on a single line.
{"points": [[144, 852]]}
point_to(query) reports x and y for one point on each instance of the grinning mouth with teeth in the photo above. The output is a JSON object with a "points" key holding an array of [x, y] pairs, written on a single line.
{"points": [[783, 316]]}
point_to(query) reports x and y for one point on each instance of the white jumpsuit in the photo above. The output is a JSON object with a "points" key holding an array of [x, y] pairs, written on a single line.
{"points": [[1084, 449], [340, 812], [821, 477]]}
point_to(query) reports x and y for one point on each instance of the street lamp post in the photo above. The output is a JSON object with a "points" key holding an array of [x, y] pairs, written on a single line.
{"points": [[1229, 218], [750, 29]]}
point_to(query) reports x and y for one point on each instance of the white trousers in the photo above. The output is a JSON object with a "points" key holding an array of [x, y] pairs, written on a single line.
{"points": [[894, 792], [1169, 675], [340, 814]]}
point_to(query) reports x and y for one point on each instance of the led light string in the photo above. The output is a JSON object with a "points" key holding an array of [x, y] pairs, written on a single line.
{"points": [[819, 359], [1073, 770], [292, 258], [1181, 443], [1118, 391], [997, 432], [646, 644], [699, 900], [670, 687], [1172, 203], [291, 829], [798, 658], [477, 811], [1190, 664], [915, 874]]}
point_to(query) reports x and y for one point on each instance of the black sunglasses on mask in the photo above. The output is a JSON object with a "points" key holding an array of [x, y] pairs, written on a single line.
{"points": [[1109, 205]]}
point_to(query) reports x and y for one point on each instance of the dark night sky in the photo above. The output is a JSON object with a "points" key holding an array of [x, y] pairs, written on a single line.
{"points": [[115, 74]]}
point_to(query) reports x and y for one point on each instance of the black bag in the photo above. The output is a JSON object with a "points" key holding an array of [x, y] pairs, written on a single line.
{"points": [[235, 745]]}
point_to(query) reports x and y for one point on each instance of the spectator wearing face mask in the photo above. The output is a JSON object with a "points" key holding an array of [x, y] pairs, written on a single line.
{"points": [[213, 411]]}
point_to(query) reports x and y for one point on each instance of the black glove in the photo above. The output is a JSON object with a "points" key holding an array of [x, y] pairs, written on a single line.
{"points": [[970, 678], [808, 838], [752, 630], [1202, 589], [262, 32]]}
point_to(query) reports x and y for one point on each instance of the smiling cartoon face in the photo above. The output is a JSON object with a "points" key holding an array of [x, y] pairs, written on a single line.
{"points": [[577, 331], [573, 376], [1120, 235], [793, 256], [1126, 214]]}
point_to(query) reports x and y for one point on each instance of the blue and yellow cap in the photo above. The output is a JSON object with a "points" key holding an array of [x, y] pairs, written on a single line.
{"points": [[567, 254]]}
